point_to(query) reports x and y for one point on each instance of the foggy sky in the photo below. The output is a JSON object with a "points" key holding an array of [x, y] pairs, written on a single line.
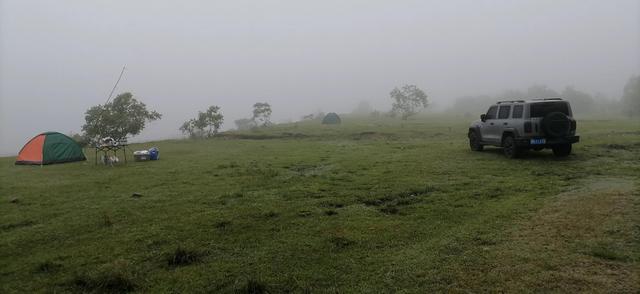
{"points": [[58, 58]]}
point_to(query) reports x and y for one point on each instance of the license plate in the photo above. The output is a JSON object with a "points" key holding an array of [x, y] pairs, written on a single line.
{"points": [[538, 141]]}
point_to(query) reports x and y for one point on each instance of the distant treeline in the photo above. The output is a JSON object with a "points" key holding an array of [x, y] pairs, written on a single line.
{"points": [[582, 103]]}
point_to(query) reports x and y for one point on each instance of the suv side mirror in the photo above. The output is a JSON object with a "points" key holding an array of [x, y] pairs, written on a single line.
{"points": [[483, 117]]}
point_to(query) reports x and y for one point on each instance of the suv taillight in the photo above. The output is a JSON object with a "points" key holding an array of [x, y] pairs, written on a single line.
{"points": [[573, 124], [527, 127]]}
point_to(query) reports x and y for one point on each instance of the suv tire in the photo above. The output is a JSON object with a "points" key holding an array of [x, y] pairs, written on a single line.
{"points": [[474, 142], [562, 150], [511, 150]]}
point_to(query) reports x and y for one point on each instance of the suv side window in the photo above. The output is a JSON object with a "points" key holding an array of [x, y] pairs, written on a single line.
{"points": [[491, 113], [504, 111], [517, 111]]}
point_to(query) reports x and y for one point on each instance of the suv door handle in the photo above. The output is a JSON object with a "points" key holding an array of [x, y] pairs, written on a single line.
{"points": [[491, 123], [505, 124]]}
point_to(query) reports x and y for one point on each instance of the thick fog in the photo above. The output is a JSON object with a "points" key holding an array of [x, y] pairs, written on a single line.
{"points": [[58, 58]]}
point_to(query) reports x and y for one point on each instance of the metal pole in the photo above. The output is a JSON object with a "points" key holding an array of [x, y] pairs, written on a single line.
{"points": [[114, 86]]}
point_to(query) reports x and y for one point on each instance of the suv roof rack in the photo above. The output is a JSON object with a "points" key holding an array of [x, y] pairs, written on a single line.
{"points": [[510, 101], [548, 99]]}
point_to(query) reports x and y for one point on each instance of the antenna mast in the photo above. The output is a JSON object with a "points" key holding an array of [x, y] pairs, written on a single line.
{"points": [[116, 85]]}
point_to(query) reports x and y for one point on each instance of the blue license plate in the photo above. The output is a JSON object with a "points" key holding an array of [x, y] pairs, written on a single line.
{"points": [[538, 141]]}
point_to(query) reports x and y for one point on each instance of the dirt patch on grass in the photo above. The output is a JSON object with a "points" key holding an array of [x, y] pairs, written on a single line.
{"points": [[370, 135], [391, 203], [13, 226], [583, 240], [626, 147]]}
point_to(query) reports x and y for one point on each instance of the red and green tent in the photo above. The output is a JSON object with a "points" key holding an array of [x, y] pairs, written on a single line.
{"points": [[48, 148]]}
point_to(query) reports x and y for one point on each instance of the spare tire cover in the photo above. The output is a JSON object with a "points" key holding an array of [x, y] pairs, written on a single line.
{"points": [[556, 124]]}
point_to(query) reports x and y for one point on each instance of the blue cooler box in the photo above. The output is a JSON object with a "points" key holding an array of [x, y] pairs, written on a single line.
{"points": [[154, 153]]}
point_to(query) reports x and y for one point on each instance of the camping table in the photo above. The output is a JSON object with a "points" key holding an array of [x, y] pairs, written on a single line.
{"points": [[122, 145]]}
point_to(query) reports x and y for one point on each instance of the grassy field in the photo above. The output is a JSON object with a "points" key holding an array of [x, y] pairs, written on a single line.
{"points": [[369, 206]]}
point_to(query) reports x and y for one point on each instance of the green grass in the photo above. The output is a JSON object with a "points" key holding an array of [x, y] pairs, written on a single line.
{"points": [[373, 205]]}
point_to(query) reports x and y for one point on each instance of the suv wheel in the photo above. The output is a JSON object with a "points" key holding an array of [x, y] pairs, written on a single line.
{"points": [[510, 148], [562, 150], [474, 142]]}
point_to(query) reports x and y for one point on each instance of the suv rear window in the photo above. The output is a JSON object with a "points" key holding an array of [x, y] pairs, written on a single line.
{"points": [[543, 108]]}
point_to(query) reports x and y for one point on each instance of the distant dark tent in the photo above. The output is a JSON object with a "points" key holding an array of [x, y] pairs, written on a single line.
{"points": [[331, 119], [48, 148]]}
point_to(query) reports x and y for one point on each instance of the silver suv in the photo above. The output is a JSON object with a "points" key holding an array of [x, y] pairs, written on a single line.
{"points": [[519, 125]]}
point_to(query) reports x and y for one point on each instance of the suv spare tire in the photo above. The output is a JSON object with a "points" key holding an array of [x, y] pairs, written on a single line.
{"points": [[556, 124]]}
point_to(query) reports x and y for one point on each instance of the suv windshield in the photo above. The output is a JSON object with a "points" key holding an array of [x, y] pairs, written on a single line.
{"points": [[543, 108]]}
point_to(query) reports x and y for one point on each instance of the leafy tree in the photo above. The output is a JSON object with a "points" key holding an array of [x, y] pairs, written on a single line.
{"points": [[261, 114], [206, 124], [631, 96], [308, 116], [474, 105], [122, 117], [541, 91], [81, 139], [244, 124], [581, 102], [407, 100], [189, 128], [363, 108], [214, 119], [510, 95]]}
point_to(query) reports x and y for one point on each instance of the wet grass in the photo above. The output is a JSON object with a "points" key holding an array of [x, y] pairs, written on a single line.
{"points": [[368, 206]]}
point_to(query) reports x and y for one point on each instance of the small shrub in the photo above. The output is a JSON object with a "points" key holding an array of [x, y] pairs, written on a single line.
{"points": [[182, 257]]}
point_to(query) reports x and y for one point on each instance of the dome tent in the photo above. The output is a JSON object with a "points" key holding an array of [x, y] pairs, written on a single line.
{"points": [[331, 119], [49, 148]]}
